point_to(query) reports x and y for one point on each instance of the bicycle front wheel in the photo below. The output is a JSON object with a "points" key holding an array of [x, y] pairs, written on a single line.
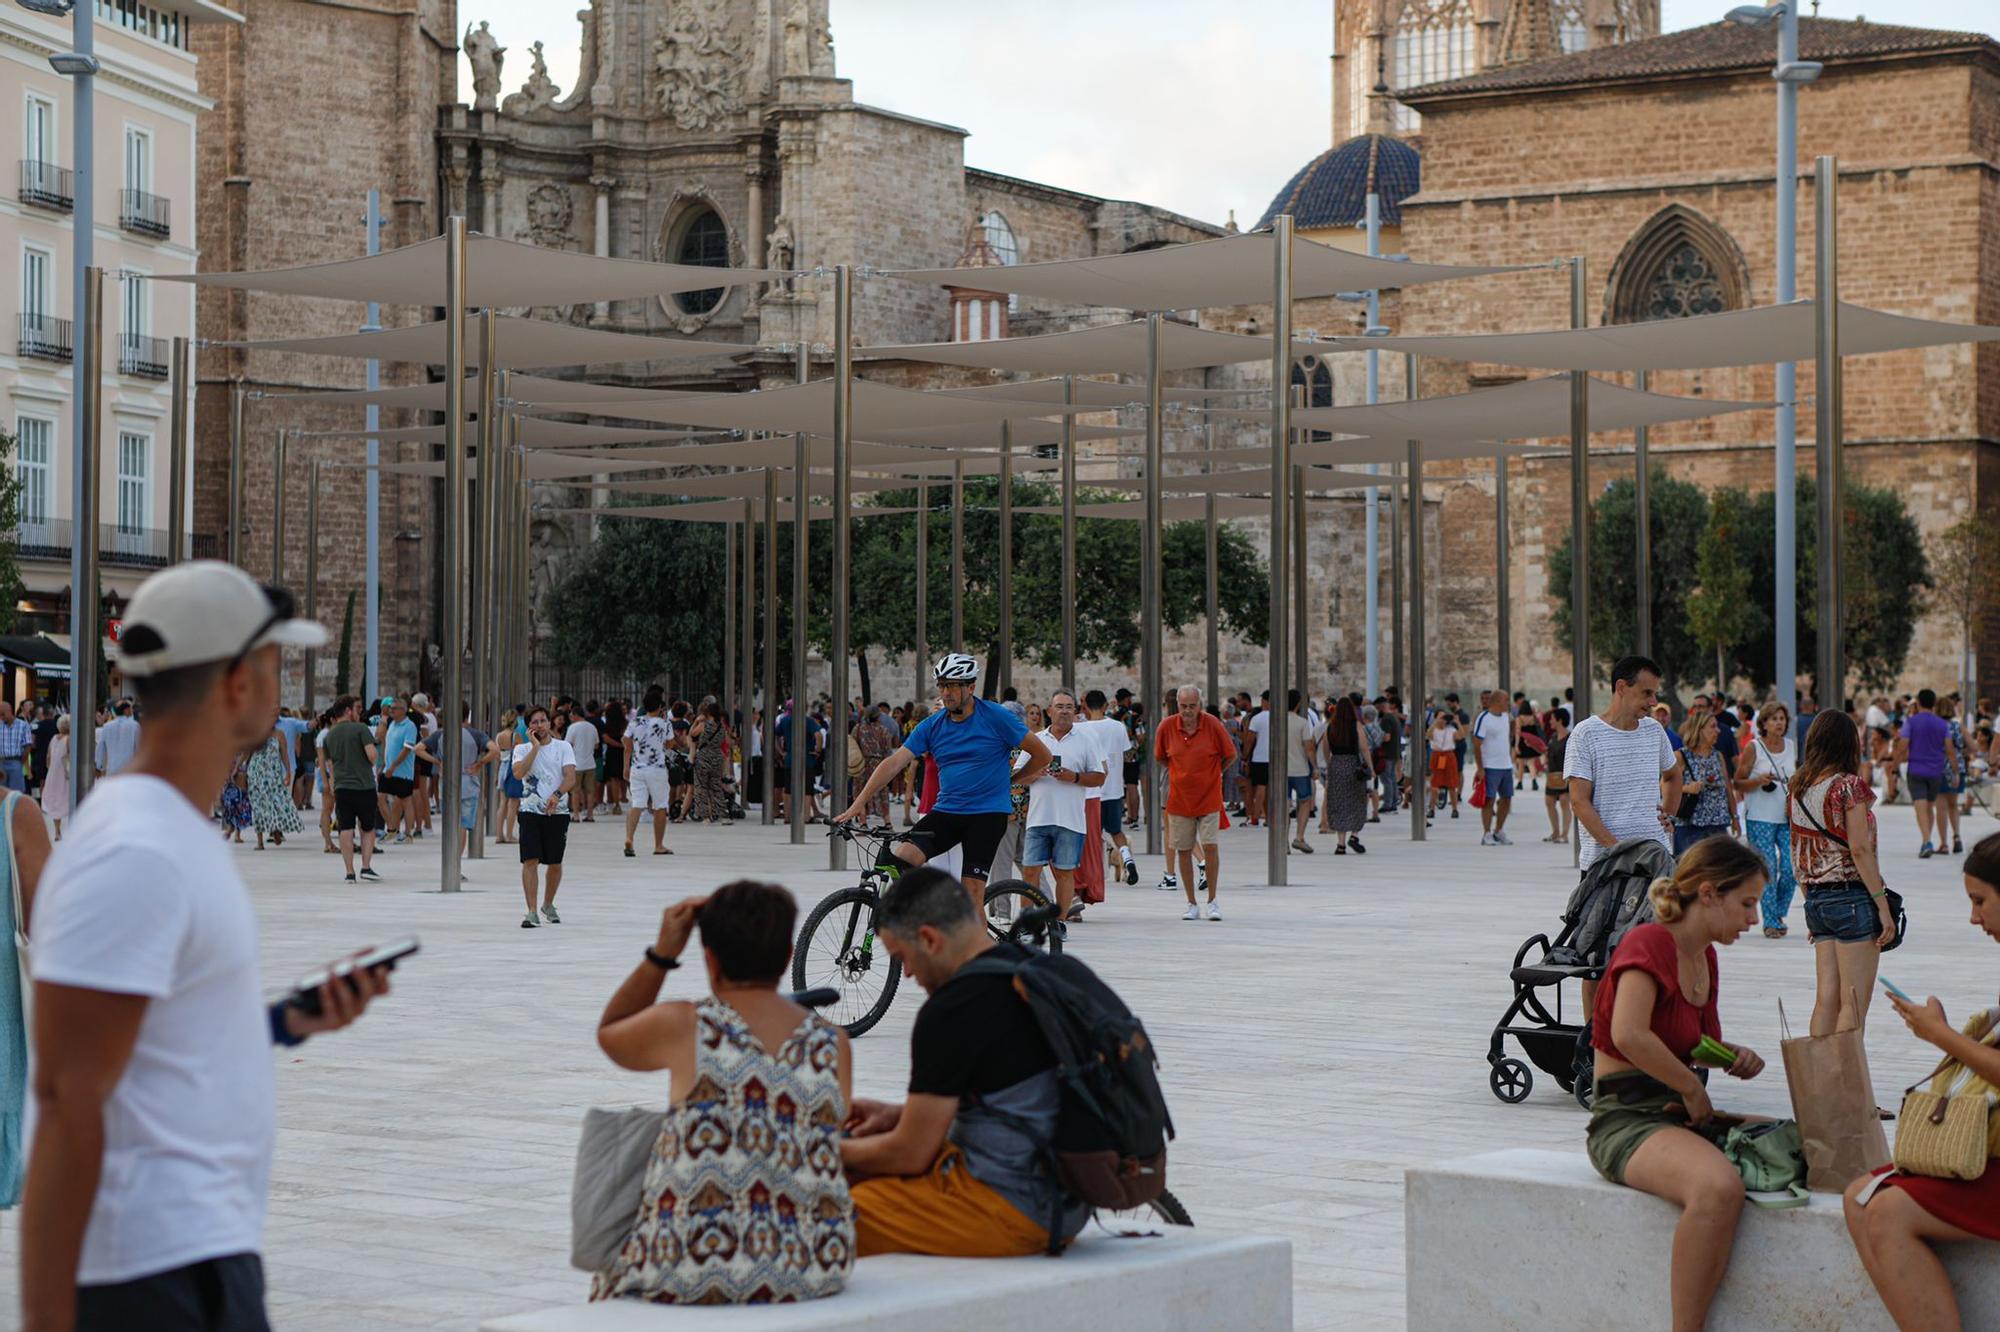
{"points": [[1007, 900], [837, 948]]}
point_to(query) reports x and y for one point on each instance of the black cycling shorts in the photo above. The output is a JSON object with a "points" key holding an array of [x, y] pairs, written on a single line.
{"points": [[356, 809], [397, 788], [979, 835], [543, 837]]}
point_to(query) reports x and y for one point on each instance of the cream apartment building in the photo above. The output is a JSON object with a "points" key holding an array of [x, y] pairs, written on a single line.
{"points": [[144, 146]]}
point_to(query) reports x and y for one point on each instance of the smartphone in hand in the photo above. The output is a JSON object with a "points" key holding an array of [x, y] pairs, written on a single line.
{"points": [[1890, 986], [305, 995]]}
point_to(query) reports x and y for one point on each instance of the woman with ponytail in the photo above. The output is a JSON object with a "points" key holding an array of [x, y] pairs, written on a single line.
{"points": [[1896, 1220], [1656, 1003]]}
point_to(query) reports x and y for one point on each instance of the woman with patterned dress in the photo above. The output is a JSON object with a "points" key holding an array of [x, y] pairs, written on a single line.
{"points": [[236, 804], [271, 807], [1704, 776], [1348, 775], [744, 1199], [710, 739]]}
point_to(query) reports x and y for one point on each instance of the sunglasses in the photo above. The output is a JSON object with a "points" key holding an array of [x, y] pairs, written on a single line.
{"points": [[282, 607]]}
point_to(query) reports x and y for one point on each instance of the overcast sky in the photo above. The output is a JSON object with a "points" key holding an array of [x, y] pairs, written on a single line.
{"points": [[1170, 102]]}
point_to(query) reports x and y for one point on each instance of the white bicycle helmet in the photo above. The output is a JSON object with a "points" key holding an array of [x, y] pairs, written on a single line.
{"points": [[957, 667]]}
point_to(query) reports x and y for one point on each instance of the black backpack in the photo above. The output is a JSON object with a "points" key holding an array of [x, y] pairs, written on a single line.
{"points": [[1611, 900], [1110, 1143]]}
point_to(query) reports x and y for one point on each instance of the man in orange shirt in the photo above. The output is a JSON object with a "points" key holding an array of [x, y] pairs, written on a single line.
{"points": [[1195, 749]]}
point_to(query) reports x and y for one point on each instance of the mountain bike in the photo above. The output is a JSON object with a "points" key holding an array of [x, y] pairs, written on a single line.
{"points": [[837, 945]]}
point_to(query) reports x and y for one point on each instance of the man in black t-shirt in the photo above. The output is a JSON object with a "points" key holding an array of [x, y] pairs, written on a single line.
{"points": [[957, 1170]]}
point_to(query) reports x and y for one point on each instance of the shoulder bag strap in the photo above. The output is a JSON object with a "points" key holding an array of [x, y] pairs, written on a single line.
{"points": [[14, 865], [1800, 803]]}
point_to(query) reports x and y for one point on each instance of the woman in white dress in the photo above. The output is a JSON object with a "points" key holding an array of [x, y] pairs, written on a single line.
{"points": [[55, 790]]}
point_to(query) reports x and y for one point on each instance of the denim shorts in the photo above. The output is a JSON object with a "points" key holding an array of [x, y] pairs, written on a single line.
{"points": [[1924, 788], [1301, 787], [1499, 783], [1843, 912], [1053, 845], [1111, 816]]}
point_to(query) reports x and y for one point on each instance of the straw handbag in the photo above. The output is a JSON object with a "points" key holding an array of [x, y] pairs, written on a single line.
{"points": [[1950, 1131]]}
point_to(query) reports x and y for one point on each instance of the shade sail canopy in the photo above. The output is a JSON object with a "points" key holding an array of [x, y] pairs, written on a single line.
{"points": [[745, 485], [1105, 349], [808, 409], [537, 466], [1529, 409], [521, 387], [1253, 481], [1231, 270], [522, 343], [1361, 452], [940, 467], [1026, 434], [1097, 392], [1172, 510], [1762, 336], [498, 273], [533, 432], [725, 511], [773, 453]]}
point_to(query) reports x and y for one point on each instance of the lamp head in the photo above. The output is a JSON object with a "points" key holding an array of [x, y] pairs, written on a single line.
{"points": [[56, 8], [70, 62], [1754, 16]]}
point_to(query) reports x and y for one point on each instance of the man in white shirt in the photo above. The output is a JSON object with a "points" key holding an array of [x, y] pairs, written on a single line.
{"points": [[648, 736], [1114, 741], [118, 740], [1057, 819], [546, 768], [1301, 743], [1260, 763], [1493, 739], [582, 737], [154, 1108]]}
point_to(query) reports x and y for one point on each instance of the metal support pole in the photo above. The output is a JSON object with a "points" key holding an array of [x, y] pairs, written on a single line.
{"points": [[1003, 669], [1211, 602], [1503, 581], [838, 721], [232, 544], [957, 557], [746, 647], [312, 578], [1579, 502], [728, 685], [1831, 685], [278, 442], [800, 788], [1372, 557], [1642, 555], [85, 607], [1416, 762], [371, 589], [452, 532], [922, 646], [1068, 597], [1785, 580], [485, 483], [177, 451], [1150, 686], [770, 737], [1397, 643], [1281, 474], [1301, 644]]}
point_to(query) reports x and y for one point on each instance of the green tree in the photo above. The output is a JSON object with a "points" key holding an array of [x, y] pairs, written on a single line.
{"points": [[1718, 606], [1965, 567], [343, 666], [644, 599], [10, 540]]}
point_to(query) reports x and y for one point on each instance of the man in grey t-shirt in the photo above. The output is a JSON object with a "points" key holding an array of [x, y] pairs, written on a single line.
{"points": [[1616, 762]]}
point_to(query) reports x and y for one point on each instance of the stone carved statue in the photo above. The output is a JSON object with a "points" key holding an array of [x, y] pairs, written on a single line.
{"points": [[539, 92], [698, 73], [808, 40], [780, 248], [484, 52], [550, 212]]}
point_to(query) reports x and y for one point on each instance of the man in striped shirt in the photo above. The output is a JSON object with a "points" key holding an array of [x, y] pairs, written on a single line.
{"points": [[16, 736]]}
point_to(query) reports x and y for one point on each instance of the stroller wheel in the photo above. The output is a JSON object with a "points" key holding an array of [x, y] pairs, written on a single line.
{"points": [[1511, 1081]]}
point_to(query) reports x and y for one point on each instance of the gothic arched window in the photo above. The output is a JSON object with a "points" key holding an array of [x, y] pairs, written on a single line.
{"points": [[703, 241], [1001, 237], [1573, 24], [1435, 40], [1678, 264], [1315, 378]]}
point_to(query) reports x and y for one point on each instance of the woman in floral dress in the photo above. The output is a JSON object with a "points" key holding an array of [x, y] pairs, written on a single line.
{"points": [[271, 807], [236, 803], [710, 738]]}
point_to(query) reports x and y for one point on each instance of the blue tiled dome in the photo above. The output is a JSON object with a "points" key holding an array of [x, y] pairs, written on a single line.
{"points": [[1332, 189]]}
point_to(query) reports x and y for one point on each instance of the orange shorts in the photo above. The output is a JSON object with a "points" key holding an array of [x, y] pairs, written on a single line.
{"points": [[945, 1212]]}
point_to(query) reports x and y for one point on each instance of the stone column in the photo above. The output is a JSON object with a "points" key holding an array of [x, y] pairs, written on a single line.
{"points": [[753, 175], [489, 189], [602, 184]]}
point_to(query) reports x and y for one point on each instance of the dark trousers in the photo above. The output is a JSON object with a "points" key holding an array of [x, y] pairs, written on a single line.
{"points": [[213, 1295]]}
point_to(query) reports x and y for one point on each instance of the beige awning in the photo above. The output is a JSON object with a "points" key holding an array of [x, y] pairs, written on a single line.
{"points": [[1231, 270], [725, 511], [1105, 349], [498, 273], [533, 433], [523, 342], [1529, 409], [1762, 336]]}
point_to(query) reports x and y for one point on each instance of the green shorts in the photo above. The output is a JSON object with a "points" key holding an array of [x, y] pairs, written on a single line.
{"points": [[1617, 1128]]}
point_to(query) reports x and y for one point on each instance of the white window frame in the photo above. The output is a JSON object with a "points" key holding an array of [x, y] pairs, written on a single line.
{"points": [[136, 299], [38, 302], [38, 477], [139, 484], [143, 137], [32, 149]]}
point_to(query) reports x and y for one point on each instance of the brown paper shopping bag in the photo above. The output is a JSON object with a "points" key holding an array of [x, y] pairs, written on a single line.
{"points": [[1833, 1098]]}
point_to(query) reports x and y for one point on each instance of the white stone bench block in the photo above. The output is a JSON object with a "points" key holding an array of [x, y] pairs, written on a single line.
{"points": [[1182, 1280], [1534, 1240]]}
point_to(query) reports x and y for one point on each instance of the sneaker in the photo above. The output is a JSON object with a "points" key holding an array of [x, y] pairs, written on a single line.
{"points": [[1214, 911], [1193, 912], [1302, 845], [528, 922], [549, 914], [1003, 910], [370, 875], [1201, 881], [1501, 839], [1168, 884], [1131, 870], [1487, 839], [350, 878], [1926, 851]]}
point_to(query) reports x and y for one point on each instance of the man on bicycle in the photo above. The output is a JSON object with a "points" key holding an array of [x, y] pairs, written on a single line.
{"points": [[972, 742]]}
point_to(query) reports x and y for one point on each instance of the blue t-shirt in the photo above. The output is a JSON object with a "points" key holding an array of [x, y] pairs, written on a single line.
{"points": [[293, 727], [1926, 732], [402, 736], [974, 775]]}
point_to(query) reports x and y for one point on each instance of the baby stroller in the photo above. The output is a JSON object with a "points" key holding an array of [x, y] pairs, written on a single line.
{"points": [[1609, 901]]}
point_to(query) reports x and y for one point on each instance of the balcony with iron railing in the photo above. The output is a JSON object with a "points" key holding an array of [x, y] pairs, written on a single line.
{"points": [[52, 540], [46, 185], [142, 356], [145, 214], [45, 338]]}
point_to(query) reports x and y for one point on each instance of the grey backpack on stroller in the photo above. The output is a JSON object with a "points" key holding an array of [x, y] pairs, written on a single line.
{"points": [[1611, 899]]}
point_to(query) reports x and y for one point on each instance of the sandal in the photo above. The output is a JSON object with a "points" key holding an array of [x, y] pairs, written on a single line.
{"points": [[1774, 931], [663, 851]]}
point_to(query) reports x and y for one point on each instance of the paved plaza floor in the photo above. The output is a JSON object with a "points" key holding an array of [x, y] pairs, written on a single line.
{"points": [[1317, 1042]]}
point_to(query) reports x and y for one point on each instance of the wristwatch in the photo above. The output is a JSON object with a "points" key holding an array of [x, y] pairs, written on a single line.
{"points": [[661, 961]]}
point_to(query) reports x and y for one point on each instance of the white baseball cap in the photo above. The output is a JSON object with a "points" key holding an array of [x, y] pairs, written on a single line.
{"points": [[203, 611]]}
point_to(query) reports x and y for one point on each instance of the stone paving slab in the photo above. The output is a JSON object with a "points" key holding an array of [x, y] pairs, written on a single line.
{"points": [[1317, 1042]]}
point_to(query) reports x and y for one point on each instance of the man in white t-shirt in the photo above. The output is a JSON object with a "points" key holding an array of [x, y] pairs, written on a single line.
{"points": [[582, 737], [1057, 818], [1493, 739], [1301, 743], [648, 736], [155, 1108], [1114, 741], [1260, 763], [546, 768]]}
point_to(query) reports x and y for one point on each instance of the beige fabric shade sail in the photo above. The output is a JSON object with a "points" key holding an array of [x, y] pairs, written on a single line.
{"points": [[1763, 336], [1172, 510], [522, 343], [538, 466], [808, 408], [533, 432], [1529, 409], [498, 273], [1361, 452], [725, 511], [521, 387], [777, 454], [1027, 434], [747, 485], [1230, 270], [1253, 481], [1096, 392], [1105, 349]]}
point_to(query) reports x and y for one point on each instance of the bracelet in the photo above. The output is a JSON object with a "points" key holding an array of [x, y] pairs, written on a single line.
{"points": [[662, 962], [1876, 897]]}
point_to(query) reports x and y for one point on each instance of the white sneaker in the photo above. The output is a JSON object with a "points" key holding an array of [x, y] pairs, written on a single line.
{"points": [[1003, 910], [1192, 913], [1502, 839], [1214, 911], [1169, 884], [1486, 839]]}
